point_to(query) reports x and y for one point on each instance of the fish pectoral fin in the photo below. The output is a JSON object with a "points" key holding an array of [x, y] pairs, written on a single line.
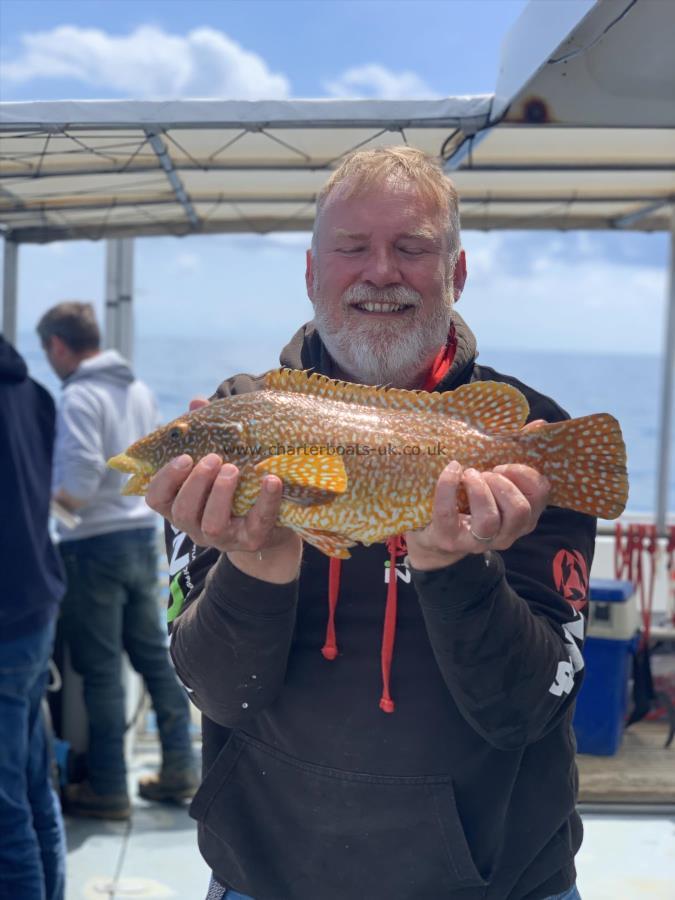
{"points": [[304, 474], [327, 542]]}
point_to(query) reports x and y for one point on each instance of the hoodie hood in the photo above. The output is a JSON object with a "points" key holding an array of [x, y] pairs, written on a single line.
{"points": [[305, 350], [108, 365], [13, 369]]}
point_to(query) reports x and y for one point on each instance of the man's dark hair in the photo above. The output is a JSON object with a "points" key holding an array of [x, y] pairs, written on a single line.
{"points": [[75, 323]]}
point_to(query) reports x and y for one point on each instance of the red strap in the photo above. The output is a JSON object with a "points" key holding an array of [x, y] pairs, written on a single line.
{"points": [[329, 649], [441, 365], [389, 630]]}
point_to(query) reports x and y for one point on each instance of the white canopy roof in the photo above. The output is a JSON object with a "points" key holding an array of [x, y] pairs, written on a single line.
{"points": [[579, 134], [123, 168]]}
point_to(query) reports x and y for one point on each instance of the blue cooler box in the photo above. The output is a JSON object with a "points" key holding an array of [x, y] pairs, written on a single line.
{"points": [[602, 703]]}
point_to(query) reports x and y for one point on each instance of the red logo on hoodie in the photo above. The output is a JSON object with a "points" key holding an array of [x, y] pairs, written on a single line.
{"points": [[570, 575]]}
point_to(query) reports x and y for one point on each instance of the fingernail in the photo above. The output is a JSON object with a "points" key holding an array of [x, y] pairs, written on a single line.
{"points": [[270, 485], [228, 471], [470, 472], [211, 462], [454, 467], [500, 468], [182, 462]]}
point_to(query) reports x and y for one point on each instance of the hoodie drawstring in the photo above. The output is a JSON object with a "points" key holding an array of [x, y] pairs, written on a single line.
{"points": [[329, 649], [396, 546], [389, 629]]}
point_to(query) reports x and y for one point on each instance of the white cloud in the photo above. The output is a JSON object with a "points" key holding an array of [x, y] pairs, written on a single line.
{"points": [[525, 292], [148, 62], [376, 81]]}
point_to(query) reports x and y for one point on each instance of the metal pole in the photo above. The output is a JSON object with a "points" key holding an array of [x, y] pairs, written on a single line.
{"points": [[111, 294], [667, 392], [9, 290], [125, 298]]}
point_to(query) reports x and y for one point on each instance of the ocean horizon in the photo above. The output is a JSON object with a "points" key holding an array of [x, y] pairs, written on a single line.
{"points": [[627, 386]]}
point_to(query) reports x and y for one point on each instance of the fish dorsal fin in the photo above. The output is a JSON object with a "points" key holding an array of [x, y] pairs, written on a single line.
{"points": [[491, 406]]}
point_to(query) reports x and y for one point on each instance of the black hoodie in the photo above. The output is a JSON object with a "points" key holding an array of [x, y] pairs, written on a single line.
{"points": [[32, 581], [468, 789]]}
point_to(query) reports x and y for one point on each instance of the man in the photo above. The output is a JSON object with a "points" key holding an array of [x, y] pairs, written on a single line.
{"points": [[32, 845], [311, 790], [110, 559]]}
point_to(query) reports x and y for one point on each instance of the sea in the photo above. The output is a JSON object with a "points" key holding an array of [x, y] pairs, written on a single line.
{"points": [[627, 386]]}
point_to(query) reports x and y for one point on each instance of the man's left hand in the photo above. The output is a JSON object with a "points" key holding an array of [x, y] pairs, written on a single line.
{"points": [[504, 505]]}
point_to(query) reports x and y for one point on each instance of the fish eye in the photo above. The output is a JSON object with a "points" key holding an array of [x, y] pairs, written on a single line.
{"points": [[176, 433]]}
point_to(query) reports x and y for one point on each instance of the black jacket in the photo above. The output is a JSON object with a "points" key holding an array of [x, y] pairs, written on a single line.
{"points": [[311, 792], [32, 581]]}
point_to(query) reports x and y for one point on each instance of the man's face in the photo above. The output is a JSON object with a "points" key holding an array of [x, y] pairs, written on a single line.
{"points": [[381, 282], [60, 357]]}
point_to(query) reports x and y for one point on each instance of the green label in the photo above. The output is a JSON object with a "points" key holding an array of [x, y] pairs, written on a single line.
{"points": [[177, 599]]}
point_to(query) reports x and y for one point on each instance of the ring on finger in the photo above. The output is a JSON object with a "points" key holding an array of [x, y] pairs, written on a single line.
{"points": [[480, 538]]}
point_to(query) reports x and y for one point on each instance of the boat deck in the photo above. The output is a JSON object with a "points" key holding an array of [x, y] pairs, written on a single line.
{"points": [[625, 855], [641, 772]]}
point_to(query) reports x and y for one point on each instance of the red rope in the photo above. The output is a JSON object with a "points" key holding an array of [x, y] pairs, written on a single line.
{"points": [[629, 550]]}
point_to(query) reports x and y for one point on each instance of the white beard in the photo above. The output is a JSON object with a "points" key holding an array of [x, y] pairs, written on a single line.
{"points": [[385, 352]]}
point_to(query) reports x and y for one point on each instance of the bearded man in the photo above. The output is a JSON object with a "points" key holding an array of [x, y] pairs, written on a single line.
{"points": [[460, 783]]}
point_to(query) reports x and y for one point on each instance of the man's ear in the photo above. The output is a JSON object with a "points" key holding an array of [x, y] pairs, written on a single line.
{"points": [[459, 276], [309, 275]]}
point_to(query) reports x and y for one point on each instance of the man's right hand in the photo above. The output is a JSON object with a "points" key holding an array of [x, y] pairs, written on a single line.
{"points": [[197, 499]]}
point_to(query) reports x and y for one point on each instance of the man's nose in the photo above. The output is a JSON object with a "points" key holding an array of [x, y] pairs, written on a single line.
{"points": [[382, 267]]}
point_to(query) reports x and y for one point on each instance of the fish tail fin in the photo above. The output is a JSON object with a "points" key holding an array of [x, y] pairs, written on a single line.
{"points": [[585, 461]]}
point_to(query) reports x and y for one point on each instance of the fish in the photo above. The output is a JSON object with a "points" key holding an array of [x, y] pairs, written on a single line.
{"points": [[359, 464]]}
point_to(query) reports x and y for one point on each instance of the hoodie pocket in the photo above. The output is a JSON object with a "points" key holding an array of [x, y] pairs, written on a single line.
{"points": [[281, 829]]}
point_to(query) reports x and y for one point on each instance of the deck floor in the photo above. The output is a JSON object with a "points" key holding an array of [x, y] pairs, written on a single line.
{"points": [[641, 772], [155, 855]]}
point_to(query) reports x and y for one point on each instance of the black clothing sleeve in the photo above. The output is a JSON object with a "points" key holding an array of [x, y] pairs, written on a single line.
{"points": [[230, 645], [506, 641]]}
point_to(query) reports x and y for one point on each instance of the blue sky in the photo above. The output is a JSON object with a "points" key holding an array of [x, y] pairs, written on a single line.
{"points": [[578, 291]]}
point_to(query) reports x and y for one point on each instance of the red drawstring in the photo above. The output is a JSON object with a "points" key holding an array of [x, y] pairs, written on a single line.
{"points": [[389, 630], [396, 546], [329, 649]]}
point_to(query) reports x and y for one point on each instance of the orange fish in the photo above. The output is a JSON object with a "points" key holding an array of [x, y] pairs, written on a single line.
{"points": [[360, 464]]}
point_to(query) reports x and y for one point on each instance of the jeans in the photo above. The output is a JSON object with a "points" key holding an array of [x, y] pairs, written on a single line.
{"points": [[111, 606], [571, 894], [32, 842]]}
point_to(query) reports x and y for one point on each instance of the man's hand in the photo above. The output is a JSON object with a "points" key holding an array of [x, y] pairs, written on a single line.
{"points": [[197, 499], [504, 505], [72, 504]]}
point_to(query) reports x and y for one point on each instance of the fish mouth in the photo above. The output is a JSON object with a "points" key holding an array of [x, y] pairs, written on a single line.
{"points": [[141, 471]]}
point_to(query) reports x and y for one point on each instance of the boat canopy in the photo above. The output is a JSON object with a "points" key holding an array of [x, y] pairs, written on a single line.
{"points": [[579, 134]]}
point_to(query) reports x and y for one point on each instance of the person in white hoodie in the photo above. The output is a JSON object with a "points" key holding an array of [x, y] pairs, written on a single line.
{"points": [[110, 559]]}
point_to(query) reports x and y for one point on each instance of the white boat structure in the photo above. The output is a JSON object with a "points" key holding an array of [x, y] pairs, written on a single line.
{"points": [[579, 134]]}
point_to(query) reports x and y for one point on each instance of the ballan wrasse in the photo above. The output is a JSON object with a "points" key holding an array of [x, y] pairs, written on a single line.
{"points": [[360, 463]]}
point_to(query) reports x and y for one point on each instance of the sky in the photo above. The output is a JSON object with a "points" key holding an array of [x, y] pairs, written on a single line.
{"points": [[577, 291]]}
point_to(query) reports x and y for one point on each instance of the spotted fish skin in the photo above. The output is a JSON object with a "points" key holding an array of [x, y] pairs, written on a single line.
{"points": [[361, 463]]}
